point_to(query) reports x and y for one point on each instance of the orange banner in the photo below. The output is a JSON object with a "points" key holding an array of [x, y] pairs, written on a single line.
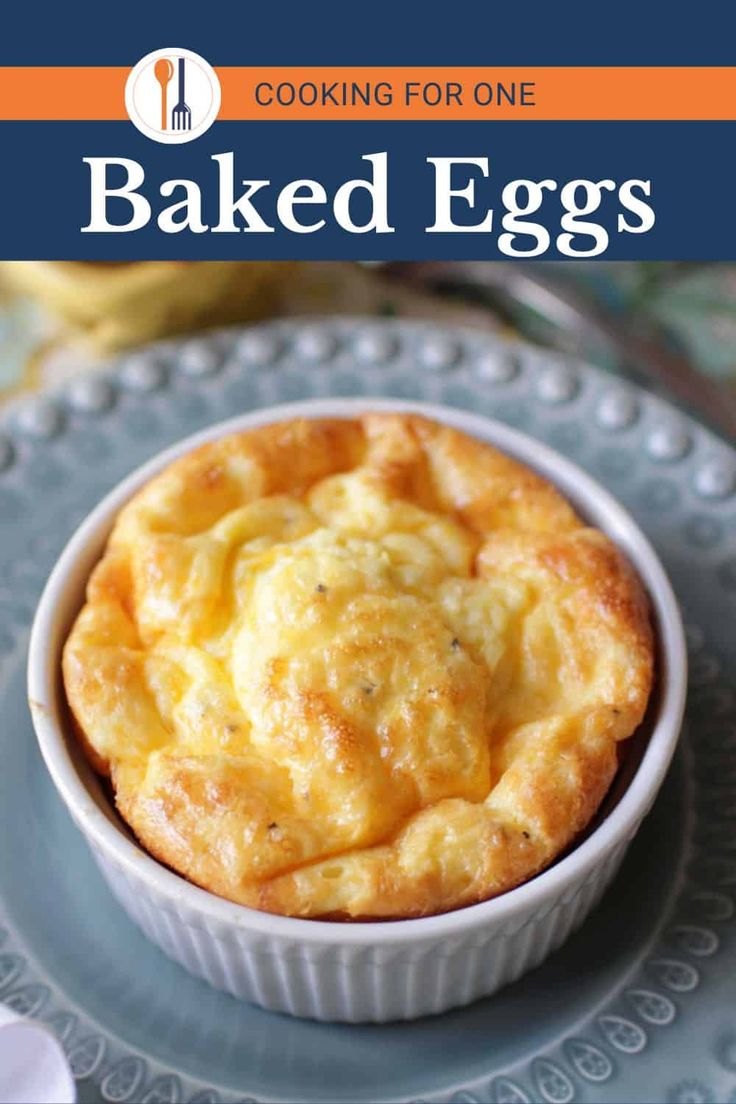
{"points": [[97, 93]]}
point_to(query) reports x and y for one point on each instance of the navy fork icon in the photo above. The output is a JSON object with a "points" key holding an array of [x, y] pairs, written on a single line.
{"points": [[181, 116]]}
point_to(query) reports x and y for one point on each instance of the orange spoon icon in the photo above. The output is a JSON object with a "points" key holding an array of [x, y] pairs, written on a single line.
{"points": [[163, 71]]}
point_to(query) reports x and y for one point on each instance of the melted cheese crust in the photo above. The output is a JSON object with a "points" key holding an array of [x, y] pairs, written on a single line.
{"points": [[358, 668]]}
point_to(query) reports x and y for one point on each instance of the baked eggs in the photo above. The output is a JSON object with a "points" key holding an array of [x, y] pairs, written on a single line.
{"points": [[367, 668], [114, 305]]}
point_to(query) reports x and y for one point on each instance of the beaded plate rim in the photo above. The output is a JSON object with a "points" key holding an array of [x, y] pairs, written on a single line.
{"points": [[656, 993]]}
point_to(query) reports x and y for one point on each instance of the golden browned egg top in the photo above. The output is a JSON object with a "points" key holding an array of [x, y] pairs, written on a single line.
{"points": [[357, 668]]}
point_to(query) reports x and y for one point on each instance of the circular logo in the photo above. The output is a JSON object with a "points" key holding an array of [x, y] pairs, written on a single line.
{"points": [[172, 96]]}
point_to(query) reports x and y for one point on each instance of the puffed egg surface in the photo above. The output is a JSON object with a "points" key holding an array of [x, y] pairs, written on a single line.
{"points": [[368, 668]]}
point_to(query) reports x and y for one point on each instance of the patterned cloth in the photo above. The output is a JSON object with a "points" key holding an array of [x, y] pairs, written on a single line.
{"points": [[693, 307], [685, 310]]}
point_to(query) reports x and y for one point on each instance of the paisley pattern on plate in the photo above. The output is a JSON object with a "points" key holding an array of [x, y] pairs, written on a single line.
{"points": [[638, 1004]]}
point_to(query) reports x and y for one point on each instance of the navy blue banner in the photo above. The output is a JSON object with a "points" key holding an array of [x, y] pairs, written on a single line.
{"points": [[384, 32], [677, 171]]}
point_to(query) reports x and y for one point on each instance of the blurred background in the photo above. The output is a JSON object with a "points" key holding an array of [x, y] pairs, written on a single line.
{"points": [[670, 326]]}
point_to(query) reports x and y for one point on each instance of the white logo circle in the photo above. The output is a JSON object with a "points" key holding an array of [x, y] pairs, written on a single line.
{"points": [[172, 96]]}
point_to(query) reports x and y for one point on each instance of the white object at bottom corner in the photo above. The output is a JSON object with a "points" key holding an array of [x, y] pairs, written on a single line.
{"points": [[33, 1066]]}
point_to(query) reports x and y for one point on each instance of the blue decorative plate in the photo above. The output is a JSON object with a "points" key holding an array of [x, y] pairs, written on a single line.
{"points": [[639, 1005]]}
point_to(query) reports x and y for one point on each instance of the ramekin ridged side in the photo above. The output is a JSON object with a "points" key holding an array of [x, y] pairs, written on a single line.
{"points": [[355, 972], [362, 983]]}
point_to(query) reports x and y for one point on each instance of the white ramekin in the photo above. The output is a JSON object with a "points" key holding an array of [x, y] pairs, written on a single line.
{"points": [[366, 971]]}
